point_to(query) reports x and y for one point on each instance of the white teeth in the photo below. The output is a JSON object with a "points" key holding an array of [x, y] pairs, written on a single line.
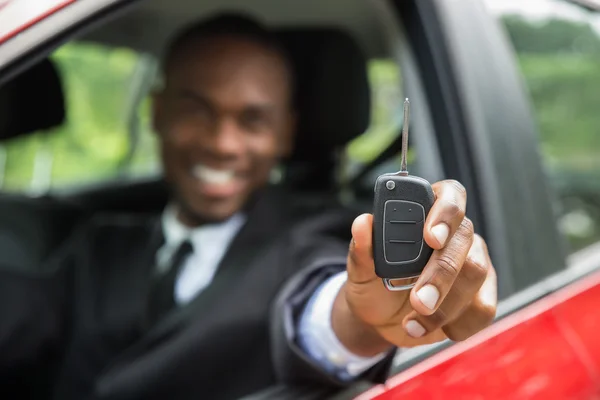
{"points": [[212, 176]]}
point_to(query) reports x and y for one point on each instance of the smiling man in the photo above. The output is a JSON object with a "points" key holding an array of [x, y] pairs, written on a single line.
{"points": [[232, 289], [224, 117]]}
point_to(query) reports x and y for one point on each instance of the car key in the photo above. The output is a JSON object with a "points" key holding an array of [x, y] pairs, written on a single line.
{"points": [[402, 203]]}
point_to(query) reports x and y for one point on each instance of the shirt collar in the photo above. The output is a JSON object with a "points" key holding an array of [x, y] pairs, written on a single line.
{"points": [[209, 234], [174, 231]]}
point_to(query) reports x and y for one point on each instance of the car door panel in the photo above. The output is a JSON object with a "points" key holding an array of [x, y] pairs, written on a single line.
{"points": [[546, 350]]}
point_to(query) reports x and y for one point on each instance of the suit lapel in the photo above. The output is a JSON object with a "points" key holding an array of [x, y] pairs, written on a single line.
{"points": [[265, 221]]}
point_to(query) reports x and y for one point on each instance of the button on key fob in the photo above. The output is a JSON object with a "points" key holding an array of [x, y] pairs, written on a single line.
{"points": [[402, 203]]}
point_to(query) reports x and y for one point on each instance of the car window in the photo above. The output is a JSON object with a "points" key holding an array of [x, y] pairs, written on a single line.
{"points": [[95, 143], [557, 45], [108, 133]]}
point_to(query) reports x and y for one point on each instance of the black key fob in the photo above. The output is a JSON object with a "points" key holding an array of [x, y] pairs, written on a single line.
{"points": [[402, 203], [401, 206]]}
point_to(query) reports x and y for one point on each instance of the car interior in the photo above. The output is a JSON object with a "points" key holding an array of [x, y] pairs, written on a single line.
{"points": [[333, 101], [327, 50]]}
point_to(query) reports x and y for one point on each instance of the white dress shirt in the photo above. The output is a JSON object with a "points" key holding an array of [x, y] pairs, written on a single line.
{"points": [[210, 242]]}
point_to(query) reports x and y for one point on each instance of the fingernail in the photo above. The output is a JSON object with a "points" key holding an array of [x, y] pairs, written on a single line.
{"points": [[429, 296], [441, 232], [488, 294], [477, 255], [415, 329]]}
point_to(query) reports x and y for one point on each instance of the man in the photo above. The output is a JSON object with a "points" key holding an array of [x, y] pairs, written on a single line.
{"points": [[229, 291]]}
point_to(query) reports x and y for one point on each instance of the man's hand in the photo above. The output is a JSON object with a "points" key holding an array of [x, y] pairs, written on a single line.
{"points": [[455, 296]]}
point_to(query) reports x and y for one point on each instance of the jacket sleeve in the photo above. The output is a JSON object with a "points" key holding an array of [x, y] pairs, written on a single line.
{"points": [[318, 255]]}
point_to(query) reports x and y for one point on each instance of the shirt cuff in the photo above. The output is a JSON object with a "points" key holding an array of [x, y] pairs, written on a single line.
{"points": [[317, 338]]}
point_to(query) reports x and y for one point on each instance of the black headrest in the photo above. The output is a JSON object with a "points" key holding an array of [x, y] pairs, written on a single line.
{"points": [[33, 101], [333, 97]]}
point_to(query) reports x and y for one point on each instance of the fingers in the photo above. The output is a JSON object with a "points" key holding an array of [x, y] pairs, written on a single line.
{"points": [[469, 306], [479, 314], [440, 273], [447, 213]]}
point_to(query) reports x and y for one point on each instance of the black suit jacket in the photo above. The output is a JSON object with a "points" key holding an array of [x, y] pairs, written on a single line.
{"points": [[75, 327]]}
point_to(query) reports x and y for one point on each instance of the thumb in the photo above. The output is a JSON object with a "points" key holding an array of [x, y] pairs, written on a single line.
{"points": [[365, 293], [361, 268]]}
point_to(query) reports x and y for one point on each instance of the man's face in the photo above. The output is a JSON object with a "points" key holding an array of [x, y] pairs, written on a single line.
{"points": [[224, 121]]}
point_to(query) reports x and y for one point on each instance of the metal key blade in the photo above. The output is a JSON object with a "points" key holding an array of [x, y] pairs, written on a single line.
{"points": [[403, 167]]}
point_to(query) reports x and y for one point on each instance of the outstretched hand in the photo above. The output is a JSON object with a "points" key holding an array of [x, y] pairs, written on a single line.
{"points": [[455, 296]]}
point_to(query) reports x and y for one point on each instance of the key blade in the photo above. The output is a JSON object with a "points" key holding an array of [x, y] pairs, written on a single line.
{"points": [[403, 167]]}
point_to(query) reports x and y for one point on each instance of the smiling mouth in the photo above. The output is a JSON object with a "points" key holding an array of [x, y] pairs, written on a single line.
{"points": [[216, 182], [213, 176]]}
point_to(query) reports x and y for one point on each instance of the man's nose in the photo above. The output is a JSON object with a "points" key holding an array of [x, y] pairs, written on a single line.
{"points": [[227, 139]]}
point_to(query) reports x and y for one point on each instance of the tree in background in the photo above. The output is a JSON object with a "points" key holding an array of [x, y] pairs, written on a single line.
{"points": [[560, 61], [551, 36]]}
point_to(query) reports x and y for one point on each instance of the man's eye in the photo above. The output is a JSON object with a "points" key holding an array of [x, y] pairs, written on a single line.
{"points": [[193, 106], [253, 120], [193, 109]]}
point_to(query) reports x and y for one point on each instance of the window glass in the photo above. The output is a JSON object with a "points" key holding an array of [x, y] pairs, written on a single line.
{"points": [[557, 45]]}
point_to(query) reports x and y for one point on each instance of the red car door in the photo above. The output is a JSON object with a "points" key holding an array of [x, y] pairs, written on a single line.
{"points": [[547, 350]]}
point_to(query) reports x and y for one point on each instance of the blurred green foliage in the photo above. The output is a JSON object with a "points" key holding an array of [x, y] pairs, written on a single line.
{"points": [[93, 142], [386, 115], [560, 63], [551, 36], [565, 93]]}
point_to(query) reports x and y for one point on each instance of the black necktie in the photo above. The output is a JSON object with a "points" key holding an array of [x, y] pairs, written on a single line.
{"points": [[162, 290]]}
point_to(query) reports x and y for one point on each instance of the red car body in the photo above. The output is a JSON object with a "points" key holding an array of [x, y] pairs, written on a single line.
{"points": [[548, 350]]}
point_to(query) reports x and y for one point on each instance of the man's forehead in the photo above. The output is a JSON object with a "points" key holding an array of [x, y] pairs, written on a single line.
{"points": [[225, 48], [218, 59]]}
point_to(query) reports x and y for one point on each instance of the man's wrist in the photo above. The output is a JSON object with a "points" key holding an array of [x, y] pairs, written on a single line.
{"points": [[357, 336]]}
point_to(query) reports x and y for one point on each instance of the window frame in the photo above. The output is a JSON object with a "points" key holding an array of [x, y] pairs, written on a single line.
{"points": [[20, 22], [40, 38]]}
